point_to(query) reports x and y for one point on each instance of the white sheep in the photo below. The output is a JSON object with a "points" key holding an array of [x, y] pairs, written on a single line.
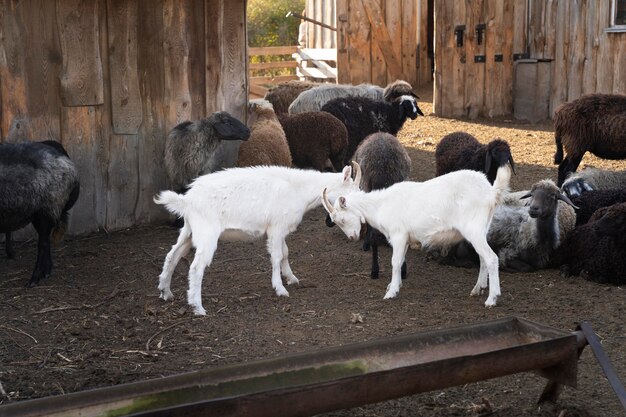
{"points": [[243, 204], [441, 211]]}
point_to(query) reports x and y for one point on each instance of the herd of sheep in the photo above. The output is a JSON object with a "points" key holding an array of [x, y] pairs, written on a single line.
{"points": [[308, 145]]}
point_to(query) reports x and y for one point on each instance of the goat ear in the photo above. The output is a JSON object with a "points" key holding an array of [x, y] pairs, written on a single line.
{"points": [[362, 219], [342, 202], [357, 173], [347, 173], [512, 164], [566, 199]]}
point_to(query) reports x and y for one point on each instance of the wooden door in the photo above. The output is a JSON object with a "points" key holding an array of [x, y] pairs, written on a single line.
{"points": [[476, 43], [379, 41]]}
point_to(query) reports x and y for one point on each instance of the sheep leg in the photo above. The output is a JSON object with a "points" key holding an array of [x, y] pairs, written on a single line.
{"points": [[205, 249], [43, 265], [8, 246], [569, 164], [375, 266], [275, 244], [285, 268], [180, 249], [400, 246], [488, 270]]}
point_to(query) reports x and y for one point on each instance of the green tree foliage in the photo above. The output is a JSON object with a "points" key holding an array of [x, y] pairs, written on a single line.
{"points": [[267, 24]]}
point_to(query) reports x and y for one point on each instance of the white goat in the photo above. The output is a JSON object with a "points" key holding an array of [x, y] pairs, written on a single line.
{"points": [[244, 204], [441, 211]]}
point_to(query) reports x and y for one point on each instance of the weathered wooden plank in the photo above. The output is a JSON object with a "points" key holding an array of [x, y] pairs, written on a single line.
{"points": [[606, 71], [559, 68], [619, 81], [42, 66], [234, 73], [328, 36], [81, 77], [392, 12], [343, 59], [196, 39], [272, 50], [493, 44], [272, 65], [214, 16], [123, 181], [441, 40], [505, 96], [176, 64], [576, 52], [15, 124], [519, 26], [591, 50], [359, 45], [126, 106], [416, 15], [88, 149], [382, 38], [150, 151], [474, 71], [550, 24]]}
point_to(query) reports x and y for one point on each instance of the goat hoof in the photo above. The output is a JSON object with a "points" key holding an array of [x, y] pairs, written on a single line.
{"points": [[282, 292], [292, 280], [199, 310], [166, 295], [490, 303]]}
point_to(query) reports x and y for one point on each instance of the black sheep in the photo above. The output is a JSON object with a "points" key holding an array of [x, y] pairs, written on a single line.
{"points": [[39, 185], [460, 150], [363, 116], [597, 250], [593, 200], [594, 123]]}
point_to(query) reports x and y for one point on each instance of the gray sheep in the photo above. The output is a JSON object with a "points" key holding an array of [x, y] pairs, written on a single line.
{"points": [[594, 123], [38, 184], [267, 144], [589, 179], [314, 98], [597, 250], [190, 147], [525, 231], [460, 150], [383, 161], [285, 93], [316, 140]]}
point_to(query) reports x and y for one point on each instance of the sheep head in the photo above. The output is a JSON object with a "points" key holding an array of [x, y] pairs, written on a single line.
{"points": [[544, 197], [498, 152], [408, 107], [611, 220], [226, 127]]}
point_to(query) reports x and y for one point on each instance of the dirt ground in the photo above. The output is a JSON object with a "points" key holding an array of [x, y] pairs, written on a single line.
{"points": [[98, 320]]}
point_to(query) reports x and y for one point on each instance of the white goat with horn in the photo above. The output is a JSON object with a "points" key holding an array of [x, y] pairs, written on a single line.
{"points": [[438, 212], [243, 204]]}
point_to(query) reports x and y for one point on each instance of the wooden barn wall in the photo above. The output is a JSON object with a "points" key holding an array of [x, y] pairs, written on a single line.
{"points": [[570, 34], [109, 79], [585, 57], [380, 41], [324, 11]]}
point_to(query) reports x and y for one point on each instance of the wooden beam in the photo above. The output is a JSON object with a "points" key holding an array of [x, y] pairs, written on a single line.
{"points": [[381, 35], [272, 50]]}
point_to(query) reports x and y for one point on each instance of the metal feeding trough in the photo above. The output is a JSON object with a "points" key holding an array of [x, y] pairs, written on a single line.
{"points": [[336, 378]]}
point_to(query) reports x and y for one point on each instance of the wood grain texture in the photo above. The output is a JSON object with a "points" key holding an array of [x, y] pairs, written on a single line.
{"points": [[383, 40], [359, 46], [576, 52], [126, 107], [417, 15], [123, 181], [213, 23], [343, 28], [81, 76]]}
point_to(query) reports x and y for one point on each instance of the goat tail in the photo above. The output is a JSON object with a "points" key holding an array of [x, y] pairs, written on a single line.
{"points": [[501, 183], [173, 202]]}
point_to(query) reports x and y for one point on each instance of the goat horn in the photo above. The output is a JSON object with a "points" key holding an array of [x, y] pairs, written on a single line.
{"points": [[565, 198], [329, 207], [357, 176]]}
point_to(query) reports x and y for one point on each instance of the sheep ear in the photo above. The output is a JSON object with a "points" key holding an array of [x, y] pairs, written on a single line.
{"points": [[527, 195], [565, 198], [512, 164], [488, 159], [342, 202]]}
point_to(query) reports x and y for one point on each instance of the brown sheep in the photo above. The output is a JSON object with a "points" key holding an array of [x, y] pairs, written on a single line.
{"points": [[316, 139], [594, 123], [267, 144], [284, 94]]}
